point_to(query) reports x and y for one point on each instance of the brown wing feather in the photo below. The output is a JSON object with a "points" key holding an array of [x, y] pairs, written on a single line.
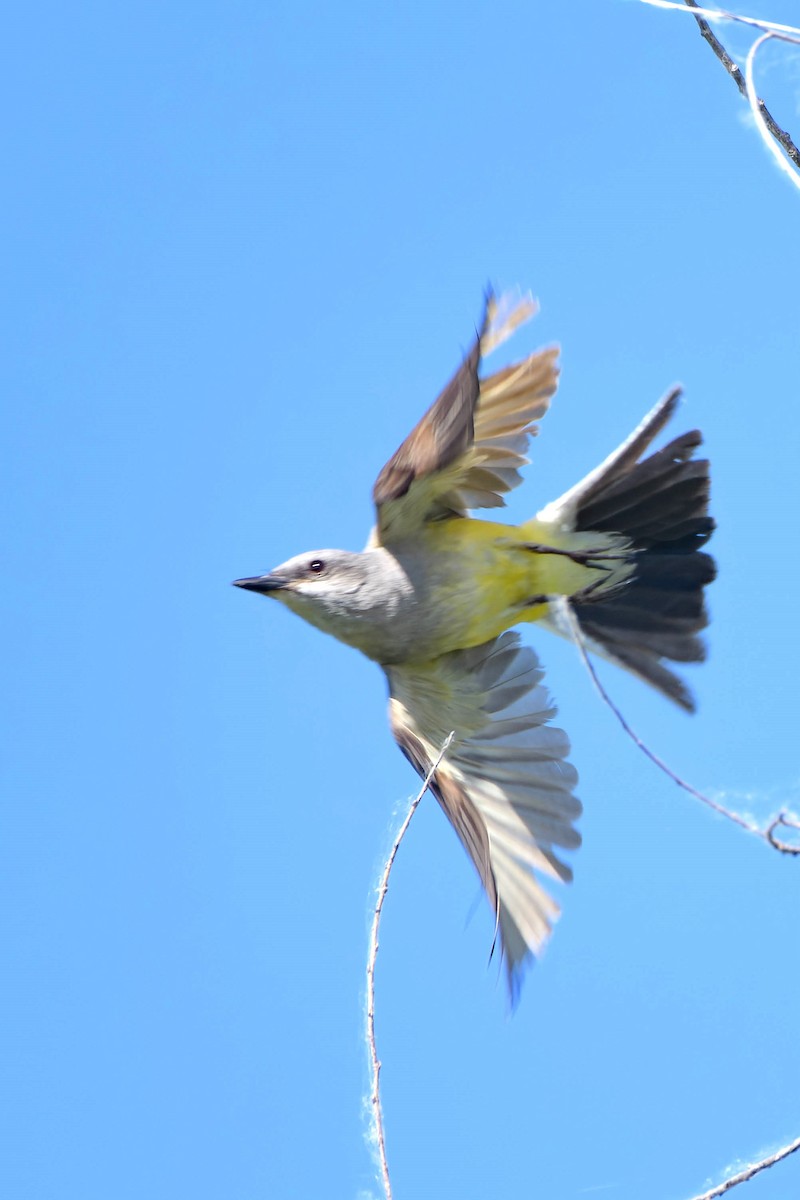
{"points": [[468, 448], [439, 438]]}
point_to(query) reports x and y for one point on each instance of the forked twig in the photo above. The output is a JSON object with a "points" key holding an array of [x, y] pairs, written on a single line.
{"points": [[784, 819], [376, 1111], [768, 127], [736, 75]]}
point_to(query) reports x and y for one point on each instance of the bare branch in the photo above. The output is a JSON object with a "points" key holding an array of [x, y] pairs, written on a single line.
{"points": [[767, 125], [376, 1116], [763, 119], [720, 51], [780, 135], [561, 606], [750, 1171]]}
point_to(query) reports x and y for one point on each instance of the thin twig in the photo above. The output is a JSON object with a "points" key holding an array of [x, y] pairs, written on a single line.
{"points": [[745, 86], [765, 121], [750, 1171], [718, 48], [565, 613], [376, 1121]]}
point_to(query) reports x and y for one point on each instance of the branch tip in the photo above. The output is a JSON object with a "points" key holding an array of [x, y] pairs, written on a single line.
{"points": [[376, 1125]]}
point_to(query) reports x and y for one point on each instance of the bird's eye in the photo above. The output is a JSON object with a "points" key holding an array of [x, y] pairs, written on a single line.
{"points": [[316, 566]]}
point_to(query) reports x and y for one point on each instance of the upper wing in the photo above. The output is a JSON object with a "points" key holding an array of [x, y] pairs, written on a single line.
{"points": [[468, 447], [504, 783]]}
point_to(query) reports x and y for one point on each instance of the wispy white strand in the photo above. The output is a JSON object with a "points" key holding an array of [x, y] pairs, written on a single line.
{"points": [[722, 14]]}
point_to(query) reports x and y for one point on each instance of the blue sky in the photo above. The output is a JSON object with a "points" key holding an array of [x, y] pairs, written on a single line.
{"points": [[246, 245]]}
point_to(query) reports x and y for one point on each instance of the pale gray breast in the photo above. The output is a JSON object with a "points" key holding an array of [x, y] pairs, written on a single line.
{"points": [[429, 613], [394, 616]]}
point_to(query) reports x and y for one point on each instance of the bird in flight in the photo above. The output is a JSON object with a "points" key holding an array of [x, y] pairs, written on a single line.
{"points": [[433, 597]]}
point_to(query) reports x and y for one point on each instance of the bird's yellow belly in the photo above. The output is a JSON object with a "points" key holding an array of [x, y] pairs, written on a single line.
{"points": [[486, 577]]}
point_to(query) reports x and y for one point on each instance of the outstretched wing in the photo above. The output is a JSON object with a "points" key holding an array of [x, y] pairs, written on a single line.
{"points": [[504, 783], [466, 450]]}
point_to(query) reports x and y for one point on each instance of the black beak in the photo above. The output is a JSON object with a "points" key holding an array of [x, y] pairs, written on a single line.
{"points": [[261, 583]]}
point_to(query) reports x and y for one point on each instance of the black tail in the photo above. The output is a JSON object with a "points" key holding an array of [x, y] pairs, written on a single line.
{"points": [[661, 504]]}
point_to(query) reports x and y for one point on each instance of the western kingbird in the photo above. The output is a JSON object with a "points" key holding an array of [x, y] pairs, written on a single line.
{"points": [[433, 594]]}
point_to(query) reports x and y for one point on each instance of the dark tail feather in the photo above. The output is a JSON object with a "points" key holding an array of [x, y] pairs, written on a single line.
{"points": [[661, 505]]}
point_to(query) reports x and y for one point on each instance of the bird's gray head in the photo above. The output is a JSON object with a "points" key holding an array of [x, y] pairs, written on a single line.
{"points": [[336, 590], [316, 577], [366, 599]]}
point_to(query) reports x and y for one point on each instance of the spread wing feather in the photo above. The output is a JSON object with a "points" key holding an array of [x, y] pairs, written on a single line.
{"points": [[504, 784], [467, 450], [660, 503]]}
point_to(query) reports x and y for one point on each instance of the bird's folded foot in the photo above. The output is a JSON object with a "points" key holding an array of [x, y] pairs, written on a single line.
{"points": [[595, 559]]}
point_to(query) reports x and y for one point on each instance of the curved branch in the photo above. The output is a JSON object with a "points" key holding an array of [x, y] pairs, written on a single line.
{"points": [[376, 1122], [788, 821], [563, 610], [761, 113]]}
